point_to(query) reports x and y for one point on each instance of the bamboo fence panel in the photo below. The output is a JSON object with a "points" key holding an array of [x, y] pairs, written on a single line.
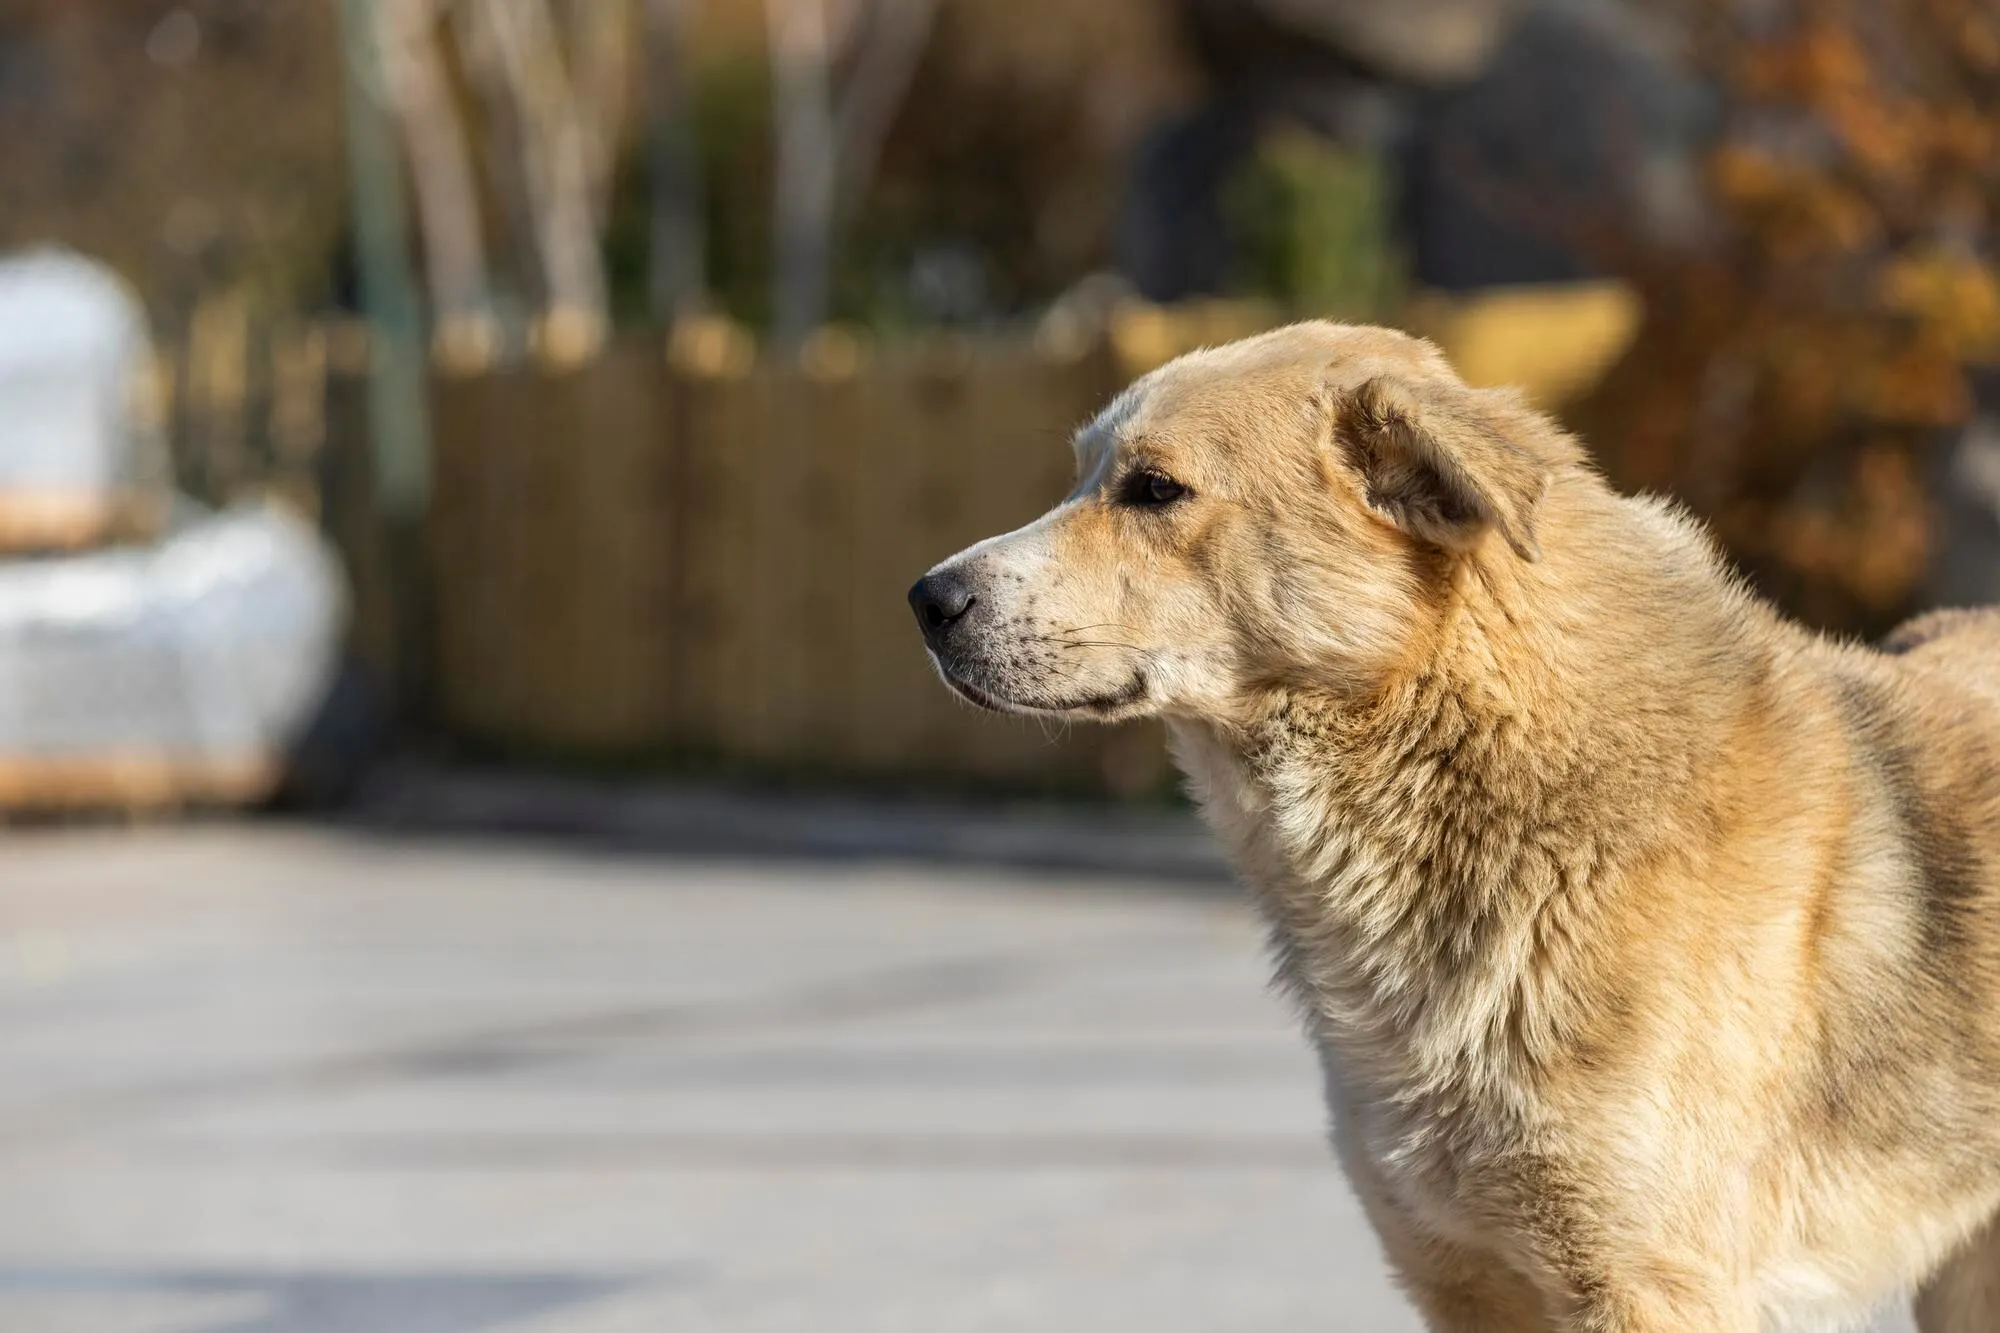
{"points": [[481, 509], [702, 554], [721, 415], [892, 693], [616, 538], [641, 559], [829, 413]]}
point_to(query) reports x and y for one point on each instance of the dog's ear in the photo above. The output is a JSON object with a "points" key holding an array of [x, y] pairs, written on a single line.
{"points": [[1436, 466]]}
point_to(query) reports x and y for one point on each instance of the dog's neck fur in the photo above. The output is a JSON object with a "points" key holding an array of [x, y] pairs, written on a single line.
{"points": [[1434, 857]]}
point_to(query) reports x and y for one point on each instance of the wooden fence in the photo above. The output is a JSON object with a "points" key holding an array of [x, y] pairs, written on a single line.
{"points": [[702, 554], [677, 556], [691, 553]]}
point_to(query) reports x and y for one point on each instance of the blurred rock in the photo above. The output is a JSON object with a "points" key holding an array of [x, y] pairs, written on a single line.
{"points": [[1966, 566], [1577, 135]]}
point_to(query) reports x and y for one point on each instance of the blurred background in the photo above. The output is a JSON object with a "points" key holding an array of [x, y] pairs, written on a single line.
{"points": [[486, 850]]}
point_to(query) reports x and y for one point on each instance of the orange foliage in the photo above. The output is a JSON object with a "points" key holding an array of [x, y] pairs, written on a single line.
{"points": [[1795, 372]]}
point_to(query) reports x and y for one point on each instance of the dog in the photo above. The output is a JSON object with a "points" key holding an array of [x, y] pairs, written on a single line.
{"points": [[1650, 943]]}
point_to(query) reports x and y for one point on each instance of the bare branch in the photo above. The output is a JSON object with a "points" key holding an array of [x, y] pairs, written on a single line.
{"points": [[525, 67], [891, 46], [828, 150], [677, 283], [600, 60], [447, 199]]}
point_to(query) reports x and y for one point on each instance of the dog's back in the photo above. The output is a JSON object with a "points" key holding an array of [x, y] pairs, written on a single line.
{"points": [[1965, 644]]}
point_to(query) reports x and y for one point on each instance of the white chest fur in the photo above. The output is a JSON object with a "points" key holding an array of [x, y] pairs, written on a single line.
{"points": [[1420, 1052]]}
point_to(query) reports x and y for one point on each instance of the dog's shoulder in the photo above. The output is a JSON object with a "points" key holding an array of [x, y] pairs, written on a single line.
{"points": [[1921, 714], [1934, 686], [1963, 643]]}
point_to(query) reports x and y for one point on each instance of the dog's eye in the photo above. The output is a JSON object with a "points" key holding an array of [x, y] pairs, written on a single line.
{"points": [[1152, 489]]}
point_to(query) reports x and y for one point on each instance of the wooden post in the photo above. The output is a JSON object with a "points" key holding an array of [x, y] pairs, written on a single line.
{"points": [[397, 412]]}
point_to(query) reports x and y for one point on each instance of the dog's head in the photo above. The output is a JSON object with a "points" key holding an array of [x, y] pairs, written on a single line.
{"points": [[1279, 512]]}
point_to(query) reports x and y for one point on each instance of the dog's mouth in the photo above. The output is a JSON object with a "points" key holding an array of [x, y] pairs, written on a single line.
{"points": [[1098, 704]]}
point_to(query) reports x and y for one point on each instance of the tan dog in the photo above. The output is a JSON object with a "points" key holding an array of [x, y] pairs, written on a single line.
{"points": [[1651, 944]]}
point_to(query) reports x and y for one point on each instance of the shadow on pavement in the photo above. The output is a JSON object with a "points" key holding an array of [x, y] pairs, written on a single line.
{"points": [[1169, 848]]}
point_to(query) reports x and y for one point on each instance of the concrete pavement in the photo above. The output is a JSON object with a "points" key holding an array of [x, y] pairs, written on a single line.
{"points": [[283, 1080]]}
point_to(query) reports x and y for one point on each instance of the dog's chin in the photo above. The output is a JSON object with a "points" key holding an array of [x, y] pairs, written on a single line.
{"points": [[1128, 700]]}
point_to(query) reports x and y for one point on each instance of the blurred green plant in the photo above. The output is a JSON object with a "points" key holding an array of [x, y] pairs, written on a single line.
{"points": [[732, 113], [1313, 224]]}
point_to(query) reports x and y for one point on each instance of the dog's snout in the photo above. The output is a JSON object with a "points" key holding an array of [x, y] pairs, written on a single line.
{"points": [[940, 601]]}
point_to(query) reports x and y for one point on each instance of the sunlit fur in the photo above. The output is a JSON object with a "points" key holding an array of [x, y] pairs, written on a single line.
{"points": [[1651, 944]]}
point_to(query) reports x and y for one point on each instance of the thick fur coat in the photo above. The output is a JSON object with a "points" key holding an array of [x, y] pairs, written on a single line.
{"points": [[1651, 944]]}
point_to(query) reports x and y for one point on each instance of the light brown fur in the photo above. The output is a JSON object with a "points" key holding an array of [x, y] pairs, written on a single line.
{"points": [[1651, 944]]}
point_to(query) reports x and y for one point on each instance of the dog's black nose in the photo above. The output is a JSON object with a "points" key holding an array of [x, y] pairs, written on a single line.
{"points": [[940, 601]]}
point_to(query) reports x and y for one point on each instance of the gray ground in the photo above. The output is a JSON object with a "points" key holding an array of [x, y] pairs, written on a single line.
{"points": [[291, 1081]]}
